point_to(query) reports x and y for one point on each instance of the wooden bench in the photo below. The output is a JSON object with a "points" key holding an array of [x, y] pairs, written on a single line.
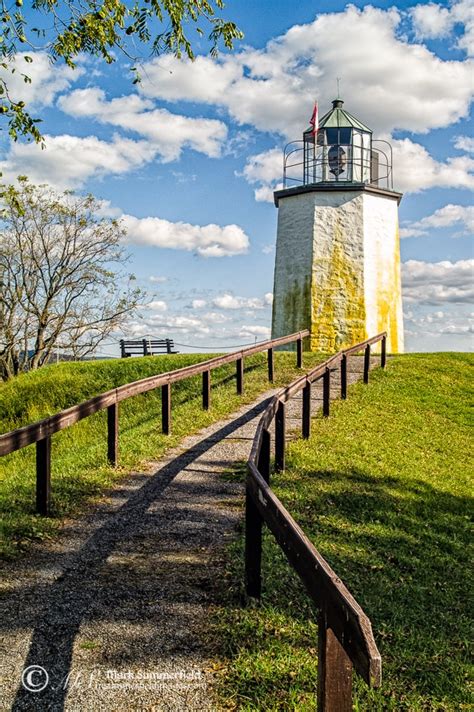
{"points": [[146, 347]]}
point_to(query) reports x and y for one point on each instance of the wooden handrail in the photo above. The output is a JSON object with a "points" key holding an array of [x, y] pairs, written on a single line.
{"points": [[41, 431], [346, 640], [21, 437]]}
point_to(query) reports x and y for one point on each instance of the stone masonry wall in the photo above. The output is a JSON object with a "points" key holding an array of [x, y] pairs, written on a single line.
{"points": [[337, 269], [382, 281], [293, 260]]}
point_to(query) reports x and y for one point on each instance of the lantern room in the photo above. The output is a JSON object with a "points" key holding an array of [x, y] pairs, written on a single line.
{"points": [[342, 150], [337, 261]]}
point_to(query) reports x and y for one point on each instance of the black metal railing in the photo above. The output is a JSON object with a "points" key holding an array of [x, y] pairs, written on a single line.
{"points": [[302, 166]]}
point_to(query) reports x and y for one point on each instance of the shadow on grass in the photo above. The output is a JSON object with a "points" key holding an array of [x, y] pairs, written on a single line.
{"points": [[401, 548], [112, 579]]}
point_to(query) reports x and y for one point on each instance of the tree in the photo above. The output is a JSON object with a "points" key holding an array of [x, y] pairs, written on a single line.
{"points": [[100, 28], [62, 282]]}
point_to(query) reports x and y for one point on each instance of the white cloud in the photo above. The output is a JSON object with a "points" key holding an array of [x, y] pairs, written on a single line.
{"points": [[263, 331], [416, 170], [158, 279], [440, 323], [47, 79], [167, 133], [463, 13], [438, 283], [464, 143], [184, 324], [456, 329], [157, 305], [431, 21], [229, 301], [273, 88], [207, 240], [69, 161], [265, 169], [215, 317], [443, 217], [199, 303], [264, 194], [268, 298]]}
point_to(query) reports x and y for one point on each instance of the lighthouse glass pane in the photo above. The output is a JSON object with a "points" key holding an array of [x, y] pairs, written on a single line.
{"points": [[357, 156], [345, 136], [361, 157], [367, 156]]}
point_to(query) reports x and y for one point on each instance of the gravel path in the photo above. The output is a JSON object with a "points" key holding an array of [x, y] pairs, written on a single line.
{"points": [[115, 609]]}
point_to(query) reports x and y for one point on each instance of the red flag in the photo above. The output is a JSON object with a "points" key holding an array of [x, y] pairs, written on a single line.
{"points": [[314, 122]]}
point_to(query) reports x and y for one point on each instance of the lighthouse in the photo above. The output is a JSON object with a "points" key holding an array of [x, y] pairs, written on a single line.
{"points": [[337, 264]]}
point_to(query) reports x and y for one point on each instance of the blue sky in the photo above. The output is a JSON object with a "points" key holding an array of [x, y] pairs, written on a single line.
{"points": [[190, 158]]}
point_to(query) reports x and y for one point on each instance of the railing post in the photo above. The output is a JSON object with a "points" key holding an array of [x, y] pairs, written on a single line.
{"points": [[206, 389], [270, 365], [253, 525], [326, 391], [280, 437], [383, 355], [145, 347], [299, 353], [112, 434], [264, 457], [166, 408], [306, 425], [366, 363], [344, 377], [334, 671], [43, 475], [240, 375], [253, 547]]}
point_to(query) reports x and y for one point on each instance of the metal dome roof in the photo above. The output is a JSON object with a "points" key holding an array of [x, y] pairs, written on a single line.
{"points": [[338, 117]]}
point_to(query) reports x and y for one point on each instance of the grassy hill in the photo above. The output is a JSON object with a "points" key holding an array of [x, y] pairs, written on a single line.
{"points": [[384, 490], [79, 466]]}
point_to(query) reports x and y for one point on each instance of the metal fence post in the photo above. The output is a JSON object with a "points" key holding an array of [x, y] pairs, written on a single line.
{"points": [[240, 375], [306, 423], [280, 437], [334, 671], [326, 391], [166, 408], [366, 363], [112, 434], [43, 475], [206, 389], [383, 355], [344, 377]]}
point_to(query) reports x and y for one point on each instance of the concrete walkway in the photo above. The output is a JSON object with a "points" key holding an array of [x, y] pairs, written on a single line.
{"points": [[114, 612]]}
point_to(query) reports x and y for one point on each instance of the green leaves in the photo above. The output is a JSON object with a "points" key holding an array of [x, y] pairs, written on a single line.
{"points": [[100, 29]]}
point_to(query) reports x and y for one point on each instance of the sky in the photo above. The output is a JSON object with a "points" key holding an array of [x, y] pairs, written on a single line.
{"points": [[189, 158]]}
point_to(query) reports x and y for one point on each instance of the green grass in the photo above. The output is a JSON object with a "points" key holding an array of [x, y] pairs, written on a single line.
{"points": [[384, 490], [79, 466]]}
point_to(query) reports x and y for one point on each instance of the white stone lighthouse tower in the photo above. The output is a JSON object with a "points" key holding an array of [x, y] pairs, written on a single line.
{"points": [[337, 267]]}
